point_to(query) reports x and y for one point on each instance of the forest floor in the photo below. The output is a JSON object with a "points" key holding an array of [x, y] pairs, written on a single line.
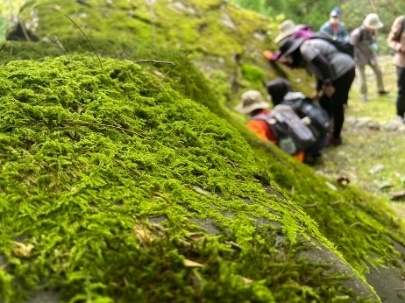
{"points": [[371, 159]]}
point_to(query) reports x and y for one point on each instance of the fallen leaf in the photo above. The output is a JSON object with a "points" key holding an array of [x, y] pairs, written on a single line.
{"points": [[234, 245], [195, 236], [247, 280], [375, 169], [189, 263], [21, 250], [143, 234], [331, 186], [157, 73]]}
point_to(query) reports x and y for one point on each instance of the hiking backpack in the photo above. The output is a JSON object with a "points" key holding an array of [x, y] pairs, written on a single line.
{"points": [[291, 133], [341, 46], [319, 120]]}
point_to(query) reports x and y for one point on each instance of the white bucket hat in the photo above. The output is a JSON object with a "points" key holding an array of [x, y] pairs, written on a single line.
{"points": [[250, 101], [372, 21], [286, 28]]}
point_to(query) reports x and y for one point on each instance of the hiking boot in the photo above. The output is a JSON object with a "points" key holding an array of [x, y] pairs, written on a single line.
{"points": [[334, 142], [400, 119], [383, 92], [312, 159]]}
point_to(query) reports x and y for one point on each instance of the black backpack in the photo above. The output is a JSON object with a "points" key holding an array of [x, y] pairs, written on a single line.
{"points": [[341, 46], [292, 134], [319, 120]]}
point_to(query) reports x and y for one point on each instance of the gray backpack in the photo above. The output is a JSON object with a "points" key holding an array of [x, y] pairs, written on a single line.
{"points": [[292, 134]]}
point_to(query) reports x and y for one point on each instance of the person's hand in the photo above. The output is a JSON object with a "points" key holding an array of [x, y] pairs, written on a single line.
{"points": [[329, 90], [267, 54]]}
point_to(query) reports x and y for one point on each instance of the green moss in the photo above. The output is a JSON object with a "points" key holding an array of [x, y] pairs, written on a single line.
{"points": [[361, 225], [254, 75], [92, 155], [89, 150], [197, 28]]}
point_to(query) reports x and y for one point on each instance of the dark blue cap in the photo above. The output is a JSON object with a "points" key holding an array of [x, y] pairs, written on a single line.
{"points": [[336, 12]]}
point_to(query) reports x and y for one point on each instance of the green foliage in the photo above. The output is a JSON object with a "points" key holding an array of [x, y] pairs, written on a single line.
{"points": [[260, 6], [315, 13]]}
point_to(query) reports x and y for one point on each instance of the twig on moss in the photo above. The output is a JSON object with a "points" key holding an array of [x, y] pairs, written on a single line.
{"points": [[154, 61], [355, 224], [88, 40], [310, 205], [24, 30], [58, 43]]}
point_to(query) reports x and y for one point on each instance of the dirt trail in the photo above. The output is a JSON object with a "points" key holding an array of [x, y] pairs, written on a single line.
{"points": [[364, 148]]}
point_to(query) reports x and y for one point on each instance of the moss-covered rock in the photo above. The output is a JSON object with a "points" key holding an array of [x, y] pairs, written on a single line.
{"points": [[123, 179], [216, 35], [115, 188]]}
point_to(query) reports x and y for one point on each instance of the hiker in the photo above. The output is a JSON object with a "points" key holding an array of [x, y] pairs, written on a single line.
{"points": [[288, 29], [253, 104], [334, 71], [364, 40], [334, 27], [396, 40], [280, 92]]}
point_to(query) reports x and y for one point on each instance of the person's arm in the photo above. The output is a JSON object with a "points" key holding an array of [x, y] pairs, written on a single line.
{"points": [[323, 67], [394, 35], [325, 83], [354, 37]]}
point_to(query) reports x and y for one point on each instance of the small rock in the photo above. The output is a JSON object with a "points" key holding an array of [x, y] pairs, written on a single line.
{"points": [[364, 122], [374, 125], [376, 169], [391, 126], [384, 185], [351, 121]]}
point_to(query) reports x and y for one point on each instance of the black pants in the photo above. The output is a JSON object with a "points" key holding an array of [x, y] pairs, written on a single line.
{"points": [[401, 91], [334, 105]]}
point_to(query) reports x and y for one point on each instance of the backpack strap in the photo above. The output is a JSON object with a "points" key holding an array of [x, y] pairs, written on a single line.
{"points": [[361, 34]]}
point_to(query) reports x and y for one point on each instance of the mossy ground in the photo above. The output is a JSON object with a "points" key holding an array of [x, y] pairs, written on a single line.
{"points": [[98, 159]]}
